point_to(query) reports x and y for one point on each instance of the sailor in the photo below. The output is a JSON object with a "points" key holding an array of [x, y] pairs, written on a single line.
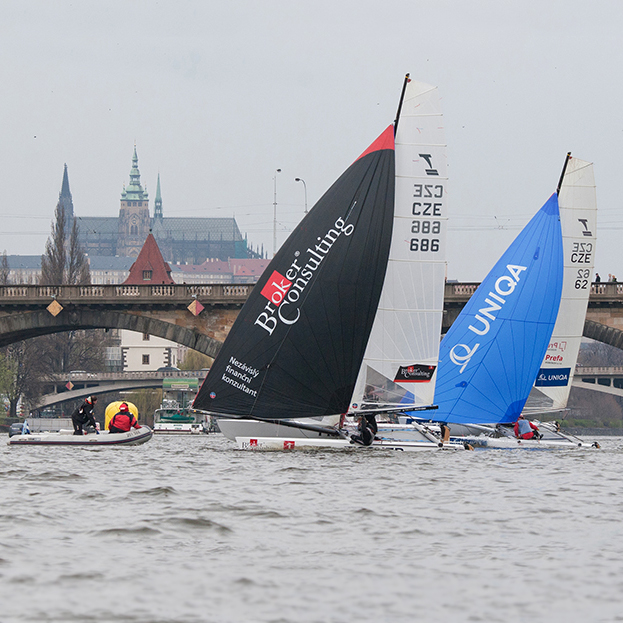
{"points": [[367, 430], [524, 429], [122, 421], [83, 415]]}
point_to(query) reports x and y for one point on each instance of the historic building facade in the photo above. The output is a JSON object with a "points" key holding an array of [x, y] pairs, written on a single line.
{"points": [[181, 240]]}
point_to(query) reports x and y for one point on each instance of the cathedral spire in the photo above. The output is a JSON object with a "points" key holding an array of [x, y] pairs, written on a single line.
{"points": [[158, 201], [65, 201], [134, 191]]}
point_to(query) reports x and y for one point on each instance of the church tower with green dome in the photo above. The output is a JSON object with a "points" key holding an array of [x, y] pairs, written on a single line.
{"points": [[134, 219]]}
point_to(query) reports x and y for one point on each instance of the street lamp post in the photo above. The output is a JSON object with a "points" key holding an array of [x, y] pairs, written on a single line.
{"points": [[298, 179], [275, 212]]}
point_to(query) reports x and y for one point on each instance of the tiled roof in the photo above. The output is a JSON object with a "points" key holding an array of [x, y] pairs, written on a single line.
{"points": [[17, 262], [149, 259], [177, 228], [110, 262], [232, 267], [91, 226]]}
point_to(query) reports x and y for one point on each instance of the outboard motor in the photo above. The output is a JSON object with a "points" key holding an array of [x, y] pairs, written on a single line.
{"points": [[16, 429]]}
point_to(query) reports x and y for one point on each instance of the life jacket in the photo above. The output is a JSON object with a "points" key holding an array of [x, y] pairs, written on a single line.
{"points": [[122, 421], [524, 427]]}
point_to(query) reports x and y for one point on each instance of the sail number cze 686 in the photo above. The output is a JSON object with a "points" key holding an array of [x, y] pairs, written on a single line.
{"points": [[426, 227]]}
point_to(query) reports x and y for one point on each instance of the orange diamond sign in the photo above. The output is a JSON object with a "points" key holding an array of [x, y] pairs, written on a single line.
{"points": [[55, 308], [195, 308]]}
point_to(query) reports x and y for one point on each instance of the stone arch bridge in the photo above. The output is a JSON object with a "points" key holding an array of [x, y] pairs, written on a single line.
{"points": [[604, 318], [197, 316], [200, 316]]}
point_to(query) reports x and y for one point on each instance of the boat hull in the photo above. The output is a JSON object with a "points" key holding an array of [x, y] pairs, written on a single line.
{"points": [[527, 444], [298, 443], [179, 429], [134, 437], [233, 428]]}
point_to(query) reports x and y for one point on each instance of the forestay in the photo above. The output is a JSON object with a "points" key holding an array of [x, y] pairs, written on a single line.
{"points": [[402, 354]]}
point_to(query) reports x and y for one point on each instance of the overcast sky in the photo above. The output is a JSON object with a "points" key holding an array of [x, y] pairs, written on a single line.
{"points": [[219, 94]]}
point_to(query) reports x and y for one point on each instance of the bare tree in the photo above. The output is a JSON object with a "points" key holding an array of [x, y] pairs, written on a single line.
{"points": [[194, 360], [55, 257], [64, 261], [31, 362], [23, 378], [77, 263], [4, 269]]}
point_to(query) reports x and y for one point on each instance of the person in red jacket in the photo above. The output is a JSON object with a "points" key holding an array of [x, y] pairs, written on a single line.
{"points": [[122, 421], [524, 429]]}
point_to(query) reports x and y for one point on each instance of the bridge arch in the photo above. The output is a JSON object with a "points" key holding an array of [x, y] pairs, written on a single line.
{"points": [[603, 333], [14, 328]]}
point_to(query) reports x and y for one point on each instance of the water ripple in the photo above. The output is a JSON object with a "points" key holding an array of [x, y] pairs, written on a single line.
{"points": [[189, 530]]}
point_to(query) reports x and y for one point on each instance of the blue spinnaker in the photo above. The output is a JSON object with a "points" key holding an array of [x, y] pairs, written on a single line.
{"points": [[490, 357]]}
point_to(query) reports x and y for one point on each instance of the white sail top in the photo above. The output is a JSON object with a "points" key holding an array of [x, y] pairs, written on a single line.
{"points": [[403, 350], [578, 219]]}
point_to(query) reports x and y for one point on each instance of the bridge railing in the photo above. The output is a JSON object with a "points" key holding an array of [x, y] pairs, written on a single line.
{"points": [[599, 370], [599, 291], [127, 375], [111, 293]]}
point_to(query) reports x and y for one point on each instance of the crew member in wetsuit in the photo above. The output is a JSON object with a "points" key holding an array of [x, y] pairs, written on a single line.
{"points": [[524, 429], [83, 415], [123, 421], [367, 430]]}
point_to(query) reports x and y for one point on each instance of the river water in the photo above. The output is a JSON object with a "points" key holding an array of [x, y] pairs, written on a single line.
{"points": [[190, 529]]}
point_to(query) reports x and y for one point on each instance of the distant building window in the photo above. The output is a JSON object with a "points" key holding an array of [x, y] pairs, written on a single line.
{"points": [[145, 360], [145, 337], [134, 230], [147, 275]]}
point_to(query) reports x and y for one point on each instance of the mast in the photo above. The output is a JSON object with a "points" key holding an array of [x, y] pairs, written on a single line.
{"points": [[564, 169], [402, 97]]}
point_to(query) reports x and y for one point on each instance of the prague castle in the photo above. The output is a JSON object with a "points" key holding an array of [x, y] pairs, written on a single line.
{"points": [[181, 240]]}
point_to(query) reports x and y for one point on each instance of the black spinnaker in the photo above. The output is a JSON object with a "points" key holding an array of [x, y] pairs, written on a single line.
{"points": [[297, 345]]}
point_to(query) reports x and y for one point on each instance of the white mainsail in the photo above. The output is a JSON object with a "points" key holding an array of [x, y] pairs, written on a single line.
{"points": [[402, 354], [578, 219]]}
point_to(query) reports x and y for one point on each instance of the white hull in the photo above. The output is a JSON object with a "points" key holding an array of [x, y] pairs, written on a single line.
{"points": [[134, 437], [528, 444], [179, 429], [283, 443], [233, 428]]}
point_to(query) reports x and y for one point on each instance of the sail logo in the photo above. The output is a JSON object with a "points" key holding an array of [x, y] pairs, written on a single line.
{"points": [[417, 373], [557, 346], [461, 354], [284, 292], [553, 377], [429, 162], [586, 231], [462, 359], [276, 288]]}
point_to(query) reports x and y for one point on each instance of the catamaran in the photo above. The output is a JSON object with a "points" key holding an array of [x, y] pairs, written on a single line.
{"points": [[346, 319], [499, 345]]}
